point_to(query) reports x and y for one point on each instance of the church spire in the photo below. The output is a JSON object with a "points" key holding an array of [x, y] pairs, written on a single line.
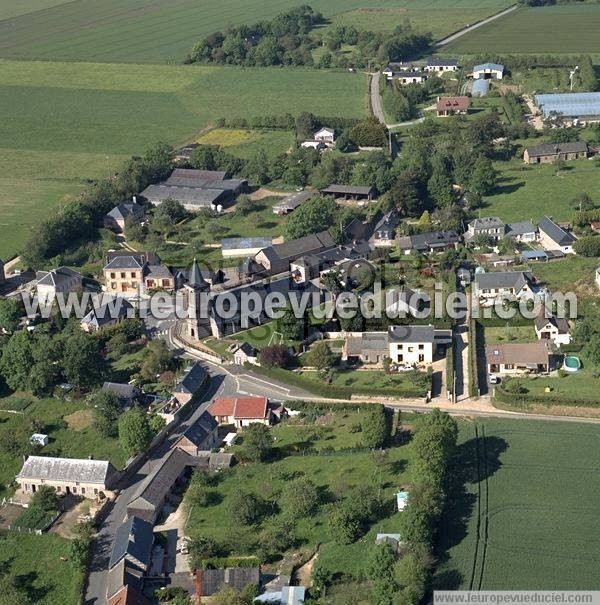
{"points": [[196, 279]]}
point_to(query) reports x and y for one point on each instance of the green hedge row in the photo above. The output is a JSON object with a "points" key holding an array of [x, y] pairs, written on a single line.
{"points": [[334, 391], [524, 400], [474, 326]]}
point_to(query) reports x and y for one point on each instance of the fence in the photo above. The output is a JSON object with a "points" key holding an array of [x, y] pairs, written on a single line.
{"points": [[200, 350]]}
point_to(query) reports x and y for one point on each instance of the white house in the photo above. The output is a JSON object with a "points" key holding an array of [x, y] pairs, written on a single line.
{"points": [[489, 287], [553, 328], [318, 145], [325, 136], [488, 71], [553, 237], [514, 358], [411, 77], [523, 231], [57, 281], [241, 411], [440, 65]]}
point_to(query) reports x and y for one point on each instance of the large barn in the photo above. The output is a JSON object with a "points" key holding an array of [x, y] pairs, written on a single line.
{"points": [[581, 106]]}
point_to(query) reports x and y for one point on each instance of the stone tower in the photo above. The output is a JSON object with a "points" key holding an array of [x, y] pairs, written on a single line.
{"points": [[197, 290]]}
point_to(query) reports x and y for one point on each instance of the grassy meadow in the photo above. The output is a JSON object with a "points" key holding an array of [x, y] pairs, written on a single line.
{"points": [[312, 449], [159, 31], [528, 192], [438, 17], [64, 123], [10, 8], [564, 29], [522, 505], [68, 424], [40, 564]]}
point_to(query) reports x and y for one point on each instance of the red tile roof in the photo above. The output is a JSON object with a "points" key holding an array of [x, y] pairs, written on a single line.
{"points": [[453, 103], [240, 407], [127, 595]]}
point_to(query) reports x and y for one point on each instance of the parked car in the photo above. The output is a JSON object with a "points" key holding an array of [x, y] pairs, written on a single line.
{"points": [[494, 379]]}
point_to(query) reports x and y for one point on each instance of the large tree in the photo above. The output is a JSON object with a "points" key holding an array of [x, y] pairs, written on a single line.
{"points": [[106, 411], [314, 216], [135, 432], [17, 360], [257, 442], [83, 365], [11, 311]]}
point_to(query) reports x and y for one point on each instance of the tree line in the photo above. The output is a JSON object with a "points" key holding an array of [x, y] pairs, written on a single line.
{"points": [[290, 38]]}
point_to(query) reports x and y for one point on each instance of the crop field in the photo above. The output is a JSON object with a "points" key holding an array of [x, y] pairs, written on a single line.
{"points": [[574, 28], [523, 505], [164, 31], [10, 8], [435, 16], [526, 192], [244, 143], [63, 123]]}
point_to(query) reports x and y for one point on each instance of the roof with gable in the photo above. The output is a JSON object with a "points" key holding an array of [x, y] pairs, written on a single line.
{"points": [[201, 429], [560, 323], [124, 390], [516, 280], [520, 228], [68, 470], [189, 177], [56, 277], [295, 248], [123, 574], [556, 148], [125, 210], [240, 407], [440, 62], [488, 67], [428, 241], [195, 277], [529, 353], [115, 309], [192, 196], [453, 103], [133, 539], [557, 234], [192, 380], [127, 595], [129, 261], [209, 581], [292, 201]]}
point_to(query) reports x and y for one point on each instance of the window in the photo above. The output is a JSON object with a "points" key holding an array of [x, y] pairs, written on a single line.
{"points": [[113, 275], [74, 490], [95, 491], [421, 347], [421, 357], [83, 490], [411, 349], [113, 285], [123, 275]]}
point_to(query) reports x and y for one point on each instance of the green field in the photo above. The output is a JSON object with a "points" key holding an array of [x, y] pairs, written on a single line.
{"points": [[554, 29], [66, 423], [521, 514], [10, 8], [63, 123], [529, 192], [35, 563], [334, 471], [438, 17], [161, 31]]}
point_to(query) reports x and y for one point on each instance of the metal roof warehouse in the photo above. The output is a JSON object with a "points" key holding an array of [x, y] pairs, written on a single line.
{"points": [[570, 104]]}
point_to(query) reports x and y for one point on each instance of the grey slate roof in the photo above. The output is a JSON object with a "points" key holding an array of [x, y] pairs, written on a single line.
{"points": [[291, 202], [502, 279], [126, 391], [66, 470], [520, 228], [440, 62], [125, 210], [367, 341], [428, 241], [236, 577], [310, 244], [555, 233], [156, 486], [348, 189], [188, 177], [556, 148], [411, 334], [133, 538], [488, 66], [123, 574], [560, 323], [56, 276], [129, 261], [192, 380], [237, 243], [195, 278], [201, 429], [487, 222], [192, 196], [117, 309]]}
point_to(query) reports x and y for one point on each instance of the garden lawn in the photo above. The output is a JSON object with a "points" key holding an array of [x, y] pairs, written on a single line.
{"points": [[10, 8], [161, 31], [530, 192], [35, 562], [334, 473], [573, 273], [245, 143], [69, 429], [522, 509], [510, 334], [65, 123], [573, 29]]}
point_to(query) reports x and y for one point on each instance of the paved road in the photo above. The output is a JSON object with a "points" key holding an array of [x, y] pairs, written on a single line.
{"points": [[475, 26], [376, 106]]}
